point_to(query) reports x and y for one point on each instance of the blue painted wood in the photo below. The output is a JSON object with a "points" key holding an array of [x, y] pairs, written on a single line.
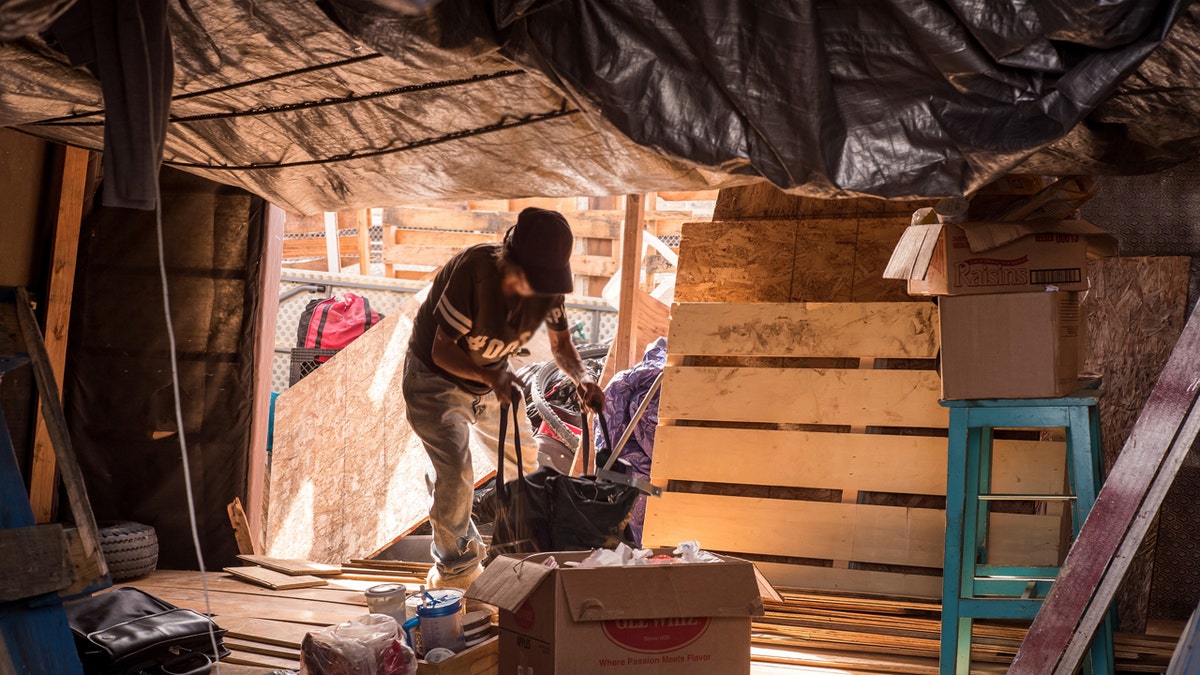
{"points": [[34, 630], [973, 589]]}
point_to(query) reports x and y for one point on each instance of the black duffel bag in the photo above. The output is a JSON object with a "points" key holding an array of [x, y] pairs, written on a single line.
{"points": [[130, 632], [549, 511]]}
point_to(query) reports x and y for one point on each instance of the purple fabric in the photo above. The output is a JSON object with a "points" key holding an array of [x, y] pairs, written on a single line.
{"points": [[622, 397]]}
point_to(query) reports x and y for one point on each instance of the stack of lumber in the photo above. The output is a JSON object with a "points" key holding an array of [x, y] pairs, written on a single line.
{"points": [[814, 630], [893, 635]]}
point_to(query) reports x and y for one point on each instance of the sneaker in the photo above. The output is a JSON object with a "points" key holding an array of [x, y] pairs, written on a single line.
{"points": [[460, 581]]}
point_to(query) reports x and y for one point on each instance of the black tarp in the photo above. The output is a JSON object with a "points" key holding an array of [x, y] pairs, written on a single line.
{"points": [[118, 387], [570, 97]]}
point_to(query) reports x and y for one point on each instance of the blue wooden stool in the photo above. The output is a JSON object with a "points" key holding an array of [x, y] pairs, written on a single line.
{"points": [[973, 589]]}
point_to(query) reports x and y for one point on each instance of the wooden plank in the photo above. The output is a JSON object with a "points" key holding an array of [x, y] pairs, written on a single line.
{"points": [[265, 631], [689, 195], [866, 533], [271, 269], [442, 238], [907, 398], [334, 595], [277, 608], [90, 573], [254, 647], [33, 561], [56, 427], [482, 659], [594, 265], [293, 566], [72, 182], [596, 224], [241, 528], [851, 581], [623, 348], [314, 247], [870, 462], [880, 330], [363, 219], [424, 255], [332, 243], [1158, 443], [260, 660], [273, 580]]}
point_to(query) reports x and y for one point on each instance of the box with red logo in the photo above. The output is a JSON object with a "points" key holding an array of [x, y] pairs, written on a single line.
{"points": [[660, 619], [997, 257]]}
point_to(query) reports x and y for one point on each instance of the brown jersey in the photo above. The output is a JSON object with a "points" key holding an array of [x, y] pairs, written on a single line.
{"points": [[467, 302]]}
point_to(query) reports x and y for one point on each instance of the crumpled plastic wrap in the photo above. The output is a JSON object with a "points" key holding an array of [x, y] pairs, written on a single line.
{"points": [[371, 644], [626, 556]]}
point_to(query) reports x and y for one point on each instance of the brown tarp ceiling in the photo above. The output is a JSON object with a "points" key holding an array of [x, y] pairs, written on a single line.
{"points": [[507, 99]]}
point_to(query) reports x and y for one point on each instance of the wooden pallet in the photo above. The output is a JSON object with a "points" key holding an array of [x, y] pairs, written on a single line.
{"points": [[779, 431]]}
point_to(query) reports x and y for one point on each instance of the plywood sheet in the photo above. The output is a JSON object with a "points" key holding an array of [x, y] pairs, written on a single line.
{"points": [[866, 533], [293, 566], [823, 269], [276, 581], [899, 398], [347, 473], [743, 261], [879, 330], [846, 461], [763, 200]]}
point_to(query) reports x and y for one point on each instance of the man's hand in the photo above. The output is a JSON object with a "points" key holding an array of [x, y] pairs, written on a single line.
{"points": [[501, 379], [590, 394]]}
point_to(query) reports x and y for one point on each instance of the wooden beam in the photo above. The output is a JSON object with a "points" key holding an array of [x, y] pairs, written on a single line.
{"points": [[631, 269], [364, 242], [72, 183], [264, 355], [33, 561], [314, 247], [1124, 508], [332, 245], [56, 426], [246, 542]]}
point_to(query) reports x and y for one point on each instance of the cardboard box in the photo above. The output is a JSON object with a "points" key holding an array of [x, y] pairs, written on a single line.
{"points": [[997, 257], [662, 619], [482, 659], [1011, 345]]}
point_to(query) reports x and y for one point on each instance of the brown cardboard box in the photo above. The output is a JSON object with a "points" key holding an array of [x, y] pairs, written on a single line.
{"points": [[997, 257], [661, 619], [1010, 345]]}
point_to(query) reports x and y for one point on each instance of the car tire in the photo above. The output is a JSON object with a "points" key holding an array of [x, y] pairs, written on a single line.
{"points": [[130, 549]]}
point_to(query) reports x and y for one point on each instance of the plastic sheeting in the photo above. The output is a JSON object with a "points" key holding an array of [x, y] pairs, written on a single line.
{"points": [[118, 392], [511, 98]]}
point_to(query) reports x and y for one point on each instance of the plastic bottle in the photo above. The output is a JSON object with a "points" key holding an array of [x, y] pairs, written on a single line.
{"points": [[441, 620]]}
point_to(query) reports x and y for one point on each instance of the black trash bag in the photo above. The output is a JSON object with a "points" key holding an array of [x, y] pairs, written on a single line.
{"points": [[549, 511], [130, 632]]}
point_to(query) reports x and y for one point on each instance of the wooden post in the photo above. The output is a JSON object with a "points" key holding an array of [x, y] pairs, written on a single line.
{"points": [[364, 242], [72, 182], [631, 269], [333, 254], [594, 286], [264, 354]]}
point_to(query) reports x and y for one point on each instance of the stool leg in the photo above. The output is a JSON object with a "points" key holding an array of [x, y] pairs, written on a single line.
{"points": [[1081, 458], [983, 485], [956, 469]]}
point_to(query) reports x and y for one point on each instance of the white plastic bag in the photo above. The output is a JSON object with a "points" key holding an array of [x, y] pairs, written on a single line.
{"points": [[371, 644]]}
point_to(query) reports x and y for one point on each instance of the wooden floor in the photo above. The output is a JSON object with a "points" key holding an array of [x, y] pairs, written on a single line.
{"points": [[808, 633]]}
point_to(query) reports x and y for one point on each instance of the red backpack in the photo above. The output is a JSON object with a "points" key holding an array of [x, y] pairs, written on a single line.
{"points": [[334, 323]]}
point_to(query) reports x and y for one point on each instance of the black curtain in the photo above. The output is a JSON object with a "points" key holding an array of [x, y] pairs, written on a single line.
{"points": [[118, 388]]}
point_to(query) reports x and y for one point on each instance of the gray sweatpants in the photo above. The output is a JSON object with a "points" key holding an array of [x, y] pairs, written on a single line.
{"points": [[444, 417]]}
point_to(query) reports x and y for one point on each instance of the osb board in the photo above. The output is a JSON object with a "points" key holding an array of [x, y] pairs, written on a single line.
{"points": [[763, 200], [897, 398], [745, 261], [1135, 311], [877, 330], [802, 260], [347, 473], [865, 533], [845, 461]]}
